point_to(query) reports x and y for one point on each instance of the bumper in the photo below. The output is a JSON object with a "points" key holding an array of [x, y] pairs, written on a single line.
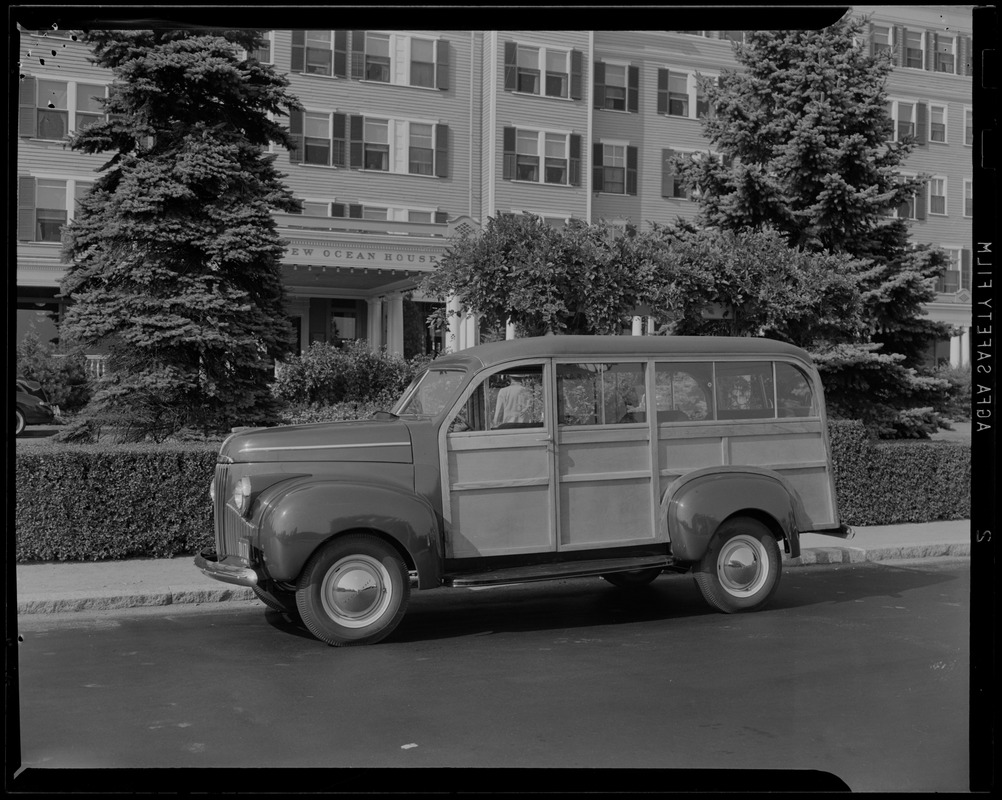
{"points": [[841, 532], [229, 570]]}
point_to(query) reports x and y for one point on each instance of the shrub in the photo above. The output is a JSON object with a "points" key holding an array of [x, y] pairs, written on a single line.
{"points": [[94, 502], [63, 376], [957, 405], [327, 374], [299, 414]]}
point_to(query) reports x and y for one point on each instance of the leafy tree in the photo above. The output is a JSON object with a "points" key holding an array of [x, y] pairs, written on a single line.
{"points": [[173, 257], [62, 372], [577, 279], [806, 147]]}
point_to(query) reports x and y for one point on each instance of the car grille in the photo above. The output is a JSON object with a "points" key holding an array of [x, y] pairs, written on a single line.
{"points": [[226, 521]]}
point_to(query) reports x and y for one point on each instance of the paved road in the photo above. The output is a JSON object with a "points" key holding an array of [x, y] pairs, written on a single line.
{"points": [[860, 671]]}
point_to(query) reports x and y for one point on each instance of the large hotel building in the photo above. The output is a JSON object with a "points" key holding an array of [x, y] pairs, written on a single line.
{"points": [[409, 137]]}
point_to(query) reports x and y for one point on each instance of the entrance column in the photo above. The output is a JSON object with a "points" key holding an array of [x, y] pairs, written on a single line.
{"points": [[954, 351], [509, 330], [395, 324], [965, 346], [455, 319], [638, 326], [375, 323]]}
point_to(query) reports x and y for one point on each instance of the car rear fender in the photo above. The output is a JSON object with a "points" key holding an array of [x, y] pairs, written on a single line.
{"points": [[696, 504]]}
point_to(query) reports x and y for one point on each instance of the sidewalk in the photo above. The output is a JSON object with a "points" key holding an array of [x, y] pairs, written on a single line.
{"points": [[102, 585]]}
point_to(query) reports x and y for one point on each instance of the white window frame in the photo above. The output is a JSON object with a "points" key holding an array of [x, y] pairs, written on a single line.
{"points": [[410, 61], [624, 145], [388, 144], [914, 202], [625, 66], [968, 191], [922, 46], [895, 104], [946, 123], [544, 59], [269, 37], [955, 251], [391, 52], [541, 134], [70, 199], [945, 195], [329, 138], [72, 101], [307, 46], [698, 155], [953, 52], [692, 79], [890, 38], [969, 114]]}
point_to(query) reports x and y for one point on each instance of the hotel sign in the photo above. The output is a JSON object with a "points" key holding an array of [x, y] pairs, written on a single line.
{"points": [[341, 255]]}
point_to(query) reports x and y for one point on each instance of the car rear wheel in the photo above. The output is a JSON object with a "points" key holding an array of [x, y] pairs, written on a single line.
{"points": [[19, 422], [634, 579], [353, 590], [741, 568]]}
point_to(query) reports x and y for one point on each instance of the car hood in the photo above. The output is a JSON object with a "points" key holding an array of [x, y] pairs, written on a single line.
{"points": [[385, 441]]}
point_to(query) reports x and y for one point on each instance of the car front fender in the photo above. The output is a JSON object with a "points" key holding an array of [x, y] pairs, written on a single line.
{"points": [[300, 515]]}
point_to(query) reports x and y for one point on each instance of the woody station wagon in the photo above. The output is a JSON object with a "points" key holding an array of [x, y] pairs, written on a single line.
{"points": [[534, 459]]}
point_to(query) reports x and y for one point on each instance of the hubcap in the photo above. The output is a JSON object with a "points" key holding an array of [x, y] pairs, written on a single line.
{"points": [[356, 591], [743, 565]]}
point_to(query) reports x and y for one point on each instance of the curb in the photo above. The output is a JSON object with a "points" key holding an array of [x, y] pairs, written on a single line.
{"points": [[858, 555]]}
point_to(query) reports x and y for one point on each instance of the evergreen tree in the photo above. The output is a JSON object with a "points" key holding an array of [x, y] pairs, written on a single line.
{"points": [[173, 257], [807, 148]]}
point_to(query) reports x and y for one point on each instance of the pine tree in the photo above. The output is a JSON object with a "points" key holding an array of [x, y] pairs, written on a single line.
{"points": [[807, 148], [173, 256]]}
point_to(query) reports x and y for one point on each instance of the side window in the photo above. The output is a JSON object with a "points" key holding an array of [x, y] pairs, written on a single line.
{"points": [[794, 396], [744, 390], [684, 392], [600, 394], [511, 399]]}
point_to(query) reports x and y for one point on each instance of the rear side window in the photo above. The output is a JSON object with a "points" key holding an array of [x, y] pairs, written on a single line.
{"points": [[684, 392], [744, 390], [600, 393], [794, 396]]}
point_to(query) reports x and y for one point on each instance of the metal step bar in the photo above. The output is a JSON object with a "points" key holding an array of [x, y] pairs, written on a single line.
{"points": [[566, 569]]}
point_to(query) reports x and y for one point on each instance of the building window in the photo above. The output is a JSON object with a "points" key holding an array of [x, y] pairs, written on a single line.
{"points": [[678, 94], [907, 209], [262, 53], [376, 144], [905, 120], [527, 69], [527, 156], [614, 169], [421, 154], [968, 198], [423, 62], [957, 274], [377, 57], [317, 139], [937, 196], [880, 39], [318, 52], [50, 210], [937, 123], [557, 73], [555, 170], [90, 108], [682, 93], [53, 111], [615, 87], [371, 212], [914, 50], [945, 60], [969, 126], [671, 186]]}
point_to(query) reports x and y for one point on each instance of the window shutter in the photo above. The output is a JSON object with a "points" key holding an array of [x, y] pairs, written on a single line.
{"points": [[339, 143], [442, 65], [965, 269], [596, 169], [357, 54], [356, 129], [298, 63], [667, 174], [297, 148], [339, 210], [508, 149], [574, 162], [355, 211], [442, 151], [921, 200], [441, 217], [922, 123], [662, 91], [27, 120], [599, 84], [341, 54], [633, 89], [509, 66], [577, 69], [631, 170], [869, 34], [899, 45], [963, 53], [26, 208]]}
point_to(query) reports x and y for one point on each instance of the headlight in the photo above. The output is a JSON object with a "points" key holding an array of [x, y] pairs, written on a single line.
{"points": [[241, 494]]}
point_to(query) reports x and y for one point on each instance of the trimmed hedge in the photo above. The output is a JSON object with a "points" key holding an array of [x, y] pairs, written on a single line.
{"points": [[97, 502]]}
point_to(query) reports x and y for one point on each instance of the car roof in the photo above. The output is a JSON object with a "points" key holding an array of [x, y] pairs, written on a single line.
{"points": [[486, 355]]}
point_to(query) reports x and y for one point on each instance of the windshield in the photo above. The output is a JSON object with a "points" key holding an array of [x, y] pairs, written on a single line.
{"points": [[429, 394]]}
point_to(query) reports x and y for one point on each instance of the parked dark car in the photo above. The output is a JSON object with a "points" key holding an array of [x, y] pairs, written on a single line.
{"points": [[32, 406]]}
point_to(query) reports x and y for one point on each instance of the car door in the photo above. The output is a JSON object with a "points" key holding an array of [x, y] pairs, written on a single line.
{"points": [[497, 464]]}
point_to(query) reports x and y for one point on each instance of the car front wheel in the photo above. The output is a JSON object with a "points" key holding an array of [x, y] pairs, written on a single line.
{"points": [[741, 568], [353, 590]]}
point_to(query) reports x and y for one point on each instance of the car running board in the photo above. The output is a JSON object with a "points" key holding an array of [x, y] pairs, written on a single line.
{"points": [[566, 569]]}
